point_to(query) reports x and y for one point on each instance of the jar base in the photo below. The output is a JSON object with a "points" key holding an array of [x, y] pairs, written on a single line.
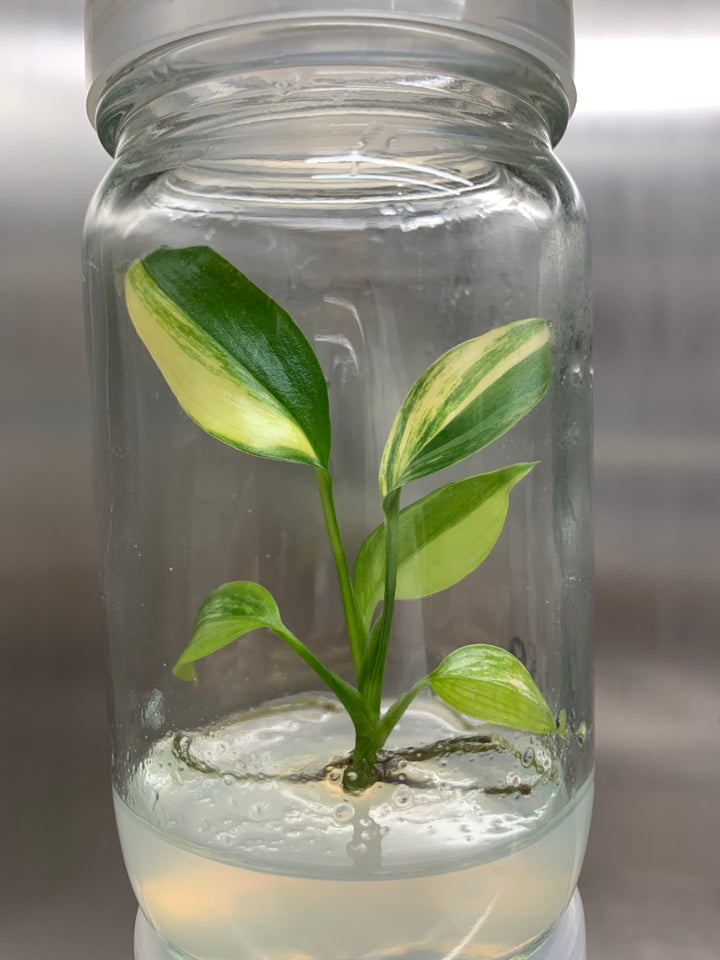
{"points": [[566, 941]]}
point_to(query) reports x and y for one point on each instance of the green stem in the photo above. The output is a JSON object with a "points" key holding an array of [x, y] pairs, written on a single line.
{"points": [[390, 720], [347, 695], [371, 679], [363, 771], [353, 622]]}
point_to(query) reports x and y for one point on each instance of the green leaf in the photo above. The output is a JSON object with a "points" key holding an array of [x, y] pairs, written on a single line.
{"points": [[229, 612], [238, 364], [236, 608], [491, 684], [466, 399], [442, 538]]}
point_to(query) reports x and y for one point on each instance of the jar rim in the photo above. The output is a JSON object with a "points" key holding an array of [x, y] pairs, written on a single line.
{"points": [[119, 32]]}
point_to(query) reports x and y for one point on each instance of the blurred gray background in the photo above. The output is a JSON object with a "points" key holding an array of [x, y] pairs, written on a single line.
{"points": [[644, 147]]}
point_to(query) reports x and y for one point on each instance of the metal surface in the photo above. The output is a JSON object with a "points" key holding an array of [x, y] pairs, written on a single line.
{"points": [[644, 149]]}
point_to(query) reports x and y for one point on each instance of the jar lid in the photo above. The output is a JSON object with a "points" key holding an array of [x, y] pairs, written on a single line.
{"points": [[119, 31]]}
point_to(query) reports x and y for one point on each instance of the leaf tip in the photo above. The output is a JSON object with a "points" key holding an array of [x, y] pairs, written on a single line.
{"points": [[185, 671]]}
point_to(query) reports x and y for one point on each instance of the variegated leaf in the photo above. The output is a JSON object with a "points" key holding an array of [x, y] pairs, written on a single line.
{"points": [[238, 364], [228, 613], [466, 399], [488, 683], [236, 608], [441, 538]]}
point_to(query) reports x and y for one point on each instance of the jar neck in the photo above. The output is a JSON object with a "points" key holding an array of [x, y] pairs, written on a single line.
{"points": [[321, 89]]}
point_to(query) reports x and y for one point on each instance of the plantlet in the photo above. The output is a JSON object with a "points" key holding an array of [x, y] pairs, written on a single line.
{"points": [[244, 371]]}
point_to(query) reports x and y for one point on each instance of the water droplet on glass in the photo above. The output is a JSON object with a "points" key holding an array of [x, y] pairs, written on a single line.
{"points": [[228, 780], [528, 757], [582, 731], [154, 713], [344, 812], [402, 796]]}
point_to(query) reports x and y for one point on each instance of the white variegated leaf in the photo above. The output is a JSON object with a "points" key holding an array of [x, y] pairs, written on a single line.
{"points": [[442, 538], [237, 363], [488, 683], [466, 399]]}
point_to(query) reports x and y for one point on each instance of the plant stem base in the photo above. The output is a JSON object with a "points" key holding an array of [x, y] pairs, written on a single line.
{"points": [[566, 942]]}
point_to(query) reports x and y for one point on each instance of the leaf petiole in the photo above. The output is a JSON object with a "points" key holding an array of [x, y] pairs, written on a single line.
{"points": [[346, 694], [371, 678], [353, 621]]}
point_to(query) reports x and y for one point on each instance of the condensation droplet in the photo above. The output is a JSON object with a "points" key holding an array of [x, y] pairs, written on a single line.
{"points": [[582, 731], [402, 796], [154, 713], [528, 757], [344, 812]]}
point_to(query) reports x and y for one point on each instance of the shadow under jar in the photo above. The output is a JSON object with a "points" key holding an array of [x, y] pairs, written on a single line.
{"points": [[391, 184]]}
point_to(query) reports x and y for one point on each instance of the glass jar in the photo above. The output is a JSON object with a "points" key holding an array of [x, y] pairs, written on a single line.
{"points": [[388, 179]]}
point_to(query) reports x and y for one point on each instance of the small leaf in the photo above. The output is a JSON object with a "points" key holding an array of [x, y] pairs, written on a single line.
{"points": [[441, 538], [236, 608], [491, 684], [466, 399], [237, 363], [229, 612]]}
